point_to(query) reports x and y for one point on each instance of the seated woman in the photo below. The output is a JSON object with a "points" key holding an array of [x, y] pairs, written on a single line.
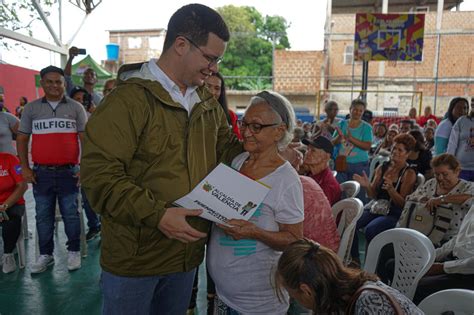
{"points": [[420, 157], [385, 146], [12, 188], [446, 188], [315, 277], [454, 264], [319, 224], [392, 182], [243, 254]]}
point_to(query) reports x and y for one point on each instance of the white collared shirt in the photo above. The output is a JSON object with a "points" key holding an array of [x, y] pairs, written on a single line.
{"points": [[187, 100]]}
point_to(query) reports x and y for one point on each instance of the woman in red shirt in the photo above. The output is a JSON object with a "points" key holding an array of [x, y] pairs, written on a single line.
{"points": [[12, 206]]}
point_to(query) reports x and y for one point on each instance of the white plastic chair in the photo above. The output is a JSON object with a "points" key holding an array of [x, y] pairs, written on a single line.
{"points": [[350, 189], [459, 301], [20, 245], [376, 161], [420, 180], [351, 209], [414, 255], [334, 173]]}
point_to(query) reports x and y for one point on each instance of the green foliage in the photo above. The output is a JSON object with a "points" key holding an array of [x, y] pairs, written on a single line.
{"points": [[20, 14], [249, 51]]}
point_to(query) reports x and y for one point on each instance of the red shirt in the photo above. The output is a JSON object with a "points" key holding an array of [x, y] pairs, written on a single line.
{"points": [[10, 175], [318, 224], [424, 119], [329, 184]]}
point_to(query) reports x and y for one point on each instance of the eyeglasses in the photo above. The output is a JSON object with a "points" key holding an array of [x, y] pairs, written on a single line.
{"points": [[254, 127], [212, 60]]}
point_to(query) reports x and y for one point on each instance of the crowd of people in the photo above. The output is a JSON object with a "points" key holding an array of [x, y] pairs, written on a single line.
{"points": [[163, 125]]}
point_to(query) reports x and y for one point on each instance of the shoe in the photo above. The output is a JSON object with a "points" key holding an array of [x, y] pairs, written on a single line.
{"points": [[9, 263], [42, 263], [92, 233], [190, 311], [73, 260]]}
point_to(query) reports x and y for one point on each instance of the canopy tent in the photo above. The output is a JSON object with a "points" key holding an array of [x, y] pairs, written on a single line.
{"points": [[78, 69]]}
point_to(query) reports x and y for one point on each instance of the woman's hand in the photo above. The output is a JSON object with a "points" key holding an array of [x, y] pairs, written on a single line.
{"points": [[432, 203], [239, 229], [436, 269], [388, 185], [363, 180]]}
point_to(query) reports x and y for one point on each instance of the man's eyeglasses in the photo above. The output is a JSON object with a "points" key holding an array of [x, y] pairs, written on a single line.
{"points": [[254, 127], [212, 60]]}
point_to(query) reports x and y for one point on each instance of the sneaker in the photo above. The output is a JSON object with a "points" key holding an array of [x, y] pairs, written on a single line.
{"points": [[42, 263], [9, 263], [73, 260], [92, 233]]}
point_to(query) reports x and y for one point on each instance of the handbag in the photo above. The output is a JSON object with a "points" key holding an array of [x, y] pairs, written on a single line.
{"points": [[382, 206], [433, 224], [395, 305], [340, 164]]}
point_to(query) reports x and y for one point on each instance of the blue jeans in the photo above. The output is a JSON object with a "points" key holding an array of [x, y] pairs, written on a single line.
{"points": [[467, 175], [60, 185], [374, 224], [93, 221], [168, 294], [352, 169]]}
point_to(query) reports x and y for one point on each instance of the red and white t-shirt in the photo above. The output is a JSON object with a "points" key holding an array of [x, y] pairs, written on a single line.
{"points": [[10, 176], [54, 130]]}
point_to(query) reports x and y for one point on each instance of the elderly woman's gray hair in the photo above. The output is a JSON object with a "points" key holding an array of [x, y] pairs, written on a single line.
{"points": [[283, 108]]}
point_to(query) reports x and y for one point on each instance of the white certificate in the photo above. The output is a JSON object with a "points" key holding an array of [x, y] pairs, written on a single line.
{"points": [[225, 194]]}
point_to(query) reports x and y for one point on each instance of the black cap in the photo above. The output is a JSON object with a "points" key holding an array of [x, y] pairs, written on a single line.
{"points": [[77, 89], [367, 115], [50, 69], [320, 142]]}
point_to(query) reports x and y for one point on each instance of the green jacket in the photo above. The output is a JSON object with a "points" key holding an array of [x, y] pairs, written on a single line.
{"points": [[141, 152]]}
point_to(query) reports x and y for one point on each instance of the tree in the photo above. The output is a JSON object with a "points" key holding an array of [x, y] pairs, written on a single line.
{"points": [[249, 51], [20, 14]]}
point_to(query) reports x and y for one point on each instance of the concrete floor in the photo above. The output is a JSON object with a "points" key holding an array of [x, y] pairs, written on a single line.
{"points": [[58, 291]]}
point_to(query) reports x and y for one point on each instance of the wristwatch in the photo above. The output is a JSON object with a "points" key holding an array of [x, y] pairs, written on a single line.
{"points": [[442, 198]]}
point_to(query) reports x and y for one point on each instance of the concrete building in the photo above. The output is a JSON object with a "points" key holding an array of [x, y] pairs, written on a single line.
{"points": [[447, 68], [138, 45]]}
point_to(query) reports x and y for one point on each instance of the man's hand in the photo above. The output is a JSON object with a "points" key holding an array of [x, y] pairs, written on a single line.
{"points": [[28, 175], [73, 52], [174, 225]]}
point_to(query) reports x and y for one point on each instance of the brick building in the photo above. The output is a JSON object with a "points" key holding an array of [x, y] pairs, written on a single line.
{"points": [[138, 45], [449, 72]]}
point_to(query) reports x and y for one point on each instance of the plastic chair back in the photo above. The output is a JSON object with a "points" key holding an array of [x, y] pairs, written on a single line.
{"points": [[458, 301], [376, 161], [350, 189], [420, 180], [351, 210], [414, 255]]}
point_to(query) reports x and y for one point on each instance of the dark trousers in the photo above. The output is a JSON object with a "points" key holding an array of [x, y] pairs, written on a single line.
{"points": [[11, 228], [93, 221], [431, 284]]}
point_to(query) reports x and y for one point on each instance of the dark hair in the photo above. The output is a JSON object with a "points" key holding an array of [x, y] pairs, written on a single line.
{"points": [[407, 140], [24, 99], [445, 159], [223, 97], [451, 106], [420, 140], [383, 125], [407, 121], [195, 21], [357, 102], [306, 262]]}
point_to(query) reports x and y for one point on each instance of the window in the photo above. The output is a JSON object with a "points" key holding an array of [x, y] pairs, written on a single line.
{"points": [[348, 54], [134, 42], [155, 42]]}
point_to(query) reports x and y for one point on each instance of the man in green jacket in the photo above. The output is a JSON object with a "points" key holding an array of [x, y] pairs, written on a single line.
{"points": [[154, 137]]}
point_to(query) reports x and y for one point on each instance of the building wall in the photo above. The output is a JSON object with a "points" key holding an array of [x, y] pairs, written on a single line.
{"points": [[138, 45]]}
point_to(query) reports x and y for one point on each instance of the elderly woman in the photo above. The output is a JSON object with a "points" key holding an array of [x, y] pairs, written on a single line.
{"points": [[12, 207], [327, 126], [315, 277], [392, 182], [446, 188], [243, 254]]}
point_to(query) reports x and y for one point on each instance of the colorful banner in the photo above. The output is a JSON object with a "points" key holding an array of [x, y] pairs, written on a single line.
{"points": [[396, 37]]}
